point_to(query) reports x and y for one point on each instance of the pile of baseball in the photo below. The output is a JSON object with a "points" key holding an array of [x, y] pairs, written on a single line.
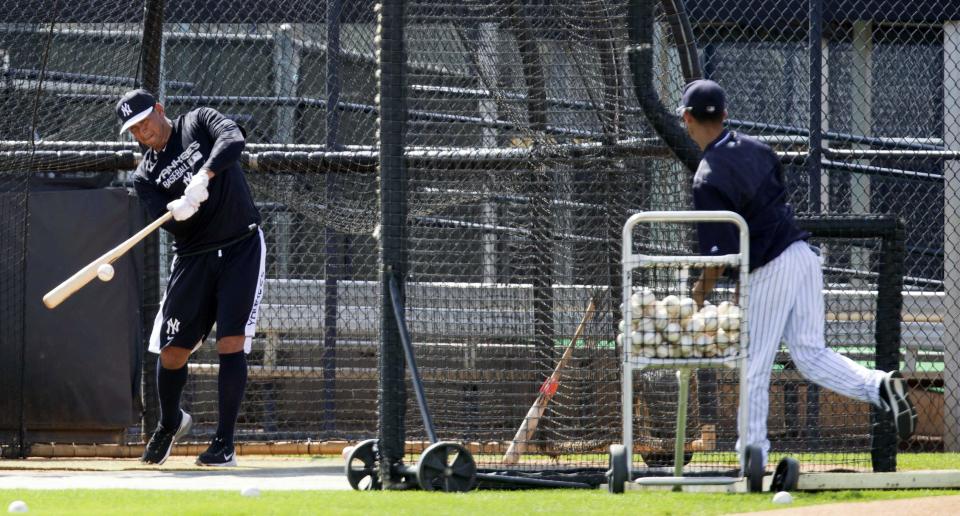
{"points": [[672, 327]]}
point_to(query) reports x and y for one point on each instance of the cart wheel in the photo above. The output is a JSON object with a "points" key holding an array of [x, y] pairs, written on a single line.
{"points": [[447, 467], [754, 469], [663, 459], [619, 467], [786, 476], [362, 467]]}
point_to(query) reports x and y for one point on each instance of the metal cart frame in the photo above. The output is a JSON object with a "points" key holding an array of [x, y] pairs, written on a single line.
{"points": [[749, 455]]}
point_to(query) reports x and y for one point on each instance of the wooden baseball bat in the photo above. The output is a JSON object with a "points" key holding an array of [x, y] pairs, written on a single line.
{"points": [[529, 426], [86, 274]]}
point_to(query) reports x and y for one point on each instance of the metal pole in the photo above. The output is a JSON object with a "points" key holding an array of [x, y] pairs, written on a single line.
{"points": [[683, 378], [334, 55], [333, 250], [286, 63], [815, 55], [889, 307], [487, 109], [951, 237], [412, 361], [151, 51], [815, 170], [539, 259], [393, 236]]}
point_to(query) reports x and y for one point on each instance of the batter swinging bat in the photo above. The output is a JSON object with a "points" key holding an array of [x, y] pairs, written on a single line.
{"points": [[88, 273], [549, 387]]}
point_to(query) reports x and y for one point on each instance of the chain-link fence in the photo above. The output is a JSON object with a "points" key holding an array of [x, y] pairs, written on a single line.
{"points": [[529, 133], [859, 102]]}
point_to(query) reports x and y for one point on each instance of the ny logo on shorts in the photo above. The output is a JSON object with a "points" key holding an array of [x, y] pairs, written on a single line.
{"points": [[173, 326], [125, 109]]}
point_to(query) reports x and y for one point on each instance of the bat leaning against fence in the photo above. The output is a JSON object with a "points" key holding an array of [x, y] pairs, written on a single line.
{"points": [[549, 387]]}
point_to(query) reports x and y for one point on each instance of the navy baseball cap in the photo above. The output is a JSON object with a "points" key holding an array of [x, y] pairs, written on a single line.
{"points": [[702, 98], [134, 106]]}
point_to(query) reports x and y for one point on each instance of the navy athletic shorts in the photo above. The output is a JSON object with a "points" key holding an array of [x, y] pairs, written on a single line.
{"points": [[222, 286]]}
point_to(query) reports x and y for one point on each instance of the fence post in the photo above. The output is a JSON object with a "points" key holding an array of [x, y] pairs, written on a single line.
{"points": [[887, 331], [151, 56], [391, 56], [951, 237], [334, 244], [286, 63]]}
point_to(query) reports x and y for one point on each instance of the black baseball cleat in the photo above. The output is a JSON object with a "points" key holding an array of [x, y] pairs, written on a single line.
{"points": [[894, 398], [218, 454], [161, 442]]}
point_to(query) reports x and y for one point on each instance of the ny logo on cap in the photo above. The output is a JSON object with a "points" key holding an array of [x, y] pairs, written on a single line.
{"points": [[125, 109]]}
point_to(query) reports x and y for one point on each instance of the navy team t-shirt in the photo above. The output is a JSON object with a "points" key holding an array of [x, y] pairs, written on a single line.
{"points": [[202, 138], [740, 174]]}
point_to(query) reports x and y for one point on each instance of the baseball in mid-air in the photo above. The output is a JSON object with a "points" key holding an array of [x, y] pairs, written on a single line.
{"points": [[105, 272]]}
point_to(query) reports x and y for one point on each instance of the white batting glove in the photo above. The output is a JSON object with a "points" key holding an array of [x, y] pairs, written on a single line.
{"points": [[196, 190], [182, 208]]}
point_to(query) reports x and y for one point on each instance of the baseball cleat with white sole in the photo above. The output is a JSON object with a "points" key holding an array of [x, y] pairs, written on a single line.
{"points": [[896, 400]]}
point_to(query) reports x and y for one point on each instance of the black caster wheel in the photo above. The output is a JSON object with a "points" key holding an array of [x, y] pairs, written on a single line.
{"points": [[447, 467], [786, 476], [619, 468], [363, 466], [754, 469], [663, 459]]}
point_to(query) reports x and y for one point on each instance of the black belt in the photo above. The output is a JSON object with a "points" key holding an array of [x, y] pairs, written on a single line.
{"points": [[247, 234]]}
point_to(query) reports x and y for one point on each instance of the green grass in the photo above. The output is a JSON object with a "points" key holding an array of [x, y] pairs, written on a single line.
{"points": [[924, 461], [486, 503]]}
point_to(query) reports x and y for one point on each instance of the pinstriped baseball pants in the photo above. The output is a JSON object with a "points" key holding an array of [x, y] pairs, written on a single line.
{"points": [[786, 304]]}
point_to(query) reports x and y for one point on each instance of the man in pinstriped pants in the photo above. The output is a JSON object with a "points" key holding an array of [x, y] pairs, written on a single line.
{"points": [[740, 174]]}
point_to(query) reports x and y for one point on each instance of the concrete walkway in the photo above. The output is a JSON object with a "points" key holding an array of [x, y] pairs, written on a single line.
{"points": [[265, 473]]}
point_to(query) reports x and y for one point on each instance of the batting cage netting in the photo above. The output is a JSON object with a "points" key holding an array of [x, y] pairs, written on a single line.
{"points": [[485, 156]]}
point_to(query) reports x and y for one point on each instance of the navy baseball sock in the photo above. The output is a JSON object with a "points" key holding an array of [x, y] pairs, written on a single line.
{"points": [[170, 384], [231, 383]]}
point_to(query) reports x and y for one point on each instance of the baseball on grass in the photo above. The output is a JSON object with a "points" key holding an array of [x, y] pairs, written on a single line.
{"points": [[17, 506], [349, 449], [783, 497], [105, 272], [250, 491]]}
